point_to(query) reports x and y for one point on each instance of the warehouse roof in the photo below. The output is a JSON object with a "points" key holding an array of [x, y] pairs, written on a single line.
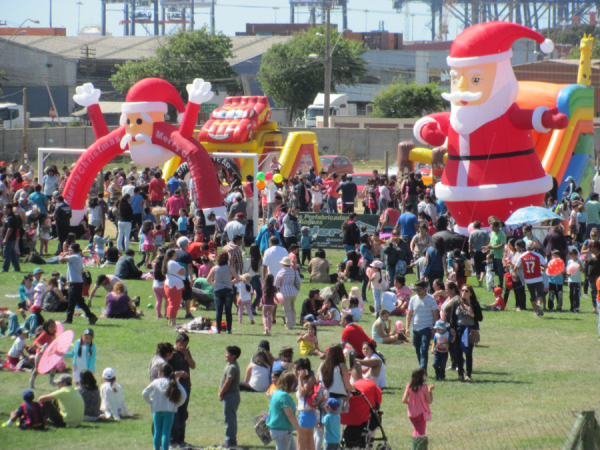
{"points": [[135, 47]]}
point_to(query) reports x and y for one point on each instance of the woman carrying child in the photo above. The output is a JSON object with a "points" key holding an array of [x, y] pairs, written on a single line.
{"points": [[418, 396], [165, 394]]}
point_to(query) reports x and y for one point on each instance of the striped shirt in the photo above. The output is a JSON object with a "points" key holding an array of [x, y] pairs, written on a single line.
{"points": [[288, 282], [235, 257]]}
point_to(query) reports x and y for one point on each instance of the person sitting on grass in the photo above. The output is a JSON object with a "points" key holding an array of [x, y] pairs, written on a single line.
{"points": [[88, 389], [499, 304], [309, 344], [311, 306], [284, 362], [31, 415], [111, 393], [126, 268], [258, 373], [119, 305], [65, 407], [382, 328], [354, 309], [329, 316]]}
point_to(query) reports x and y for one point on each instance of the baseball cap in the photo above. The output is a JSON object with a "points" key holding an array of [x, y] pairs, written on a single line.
{"points": [[265, 345], [333, 403], [497, 291], [35, 309], [441, 325], [272, 220], [2, 163], [18, 331], [64, 378], [529, 245], [37, 270], [108, 373], [240, 215]]}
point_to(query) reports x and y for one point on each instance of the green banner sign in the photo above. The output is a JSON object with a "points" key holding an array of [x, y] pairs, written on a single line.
{"points": [[326, 229]]}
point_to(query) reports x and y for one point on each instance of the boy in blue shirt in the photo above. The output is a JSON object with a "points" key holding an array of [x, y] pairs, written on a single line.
{"points": [[331, 423], [148, 216], [182, 222]]}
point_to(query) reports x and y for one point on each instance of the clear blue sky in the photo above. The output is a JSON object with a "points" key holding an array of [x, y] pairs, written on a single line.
{"points": [[229, 19]]}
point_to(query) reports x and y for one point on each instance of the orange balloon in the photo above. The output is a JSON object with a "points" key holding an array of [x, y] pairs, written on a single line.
{"points": [[260, 184]]}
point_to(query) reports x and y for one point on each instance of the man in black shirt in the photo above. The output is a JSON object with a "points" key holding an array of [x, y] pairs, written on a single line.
{"points": [[349, 191], [9, 240], [62, 217], [182, 362]]}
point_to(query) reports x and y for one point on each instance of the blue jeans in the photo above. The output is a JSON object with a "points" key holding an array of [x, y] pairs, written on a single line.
{"points": [[458, 355], [499, 271], [11, 255], [332, 205], [284, 439], [349, 248], [224, 299], [421, 339], [439, 364], [377, 299], [391, 270], [231, 402], [163, 421], [257, 286]]}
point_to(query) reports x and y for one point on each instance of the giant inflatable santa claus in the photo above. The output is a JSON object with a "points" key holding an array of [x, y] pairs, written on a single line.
{"points": [[492, 168], [150, 140]]}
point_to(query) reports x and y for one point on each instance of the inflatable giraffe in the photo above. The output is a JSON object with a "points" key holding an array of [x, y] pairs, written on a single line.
{"points": [[584, 77]]}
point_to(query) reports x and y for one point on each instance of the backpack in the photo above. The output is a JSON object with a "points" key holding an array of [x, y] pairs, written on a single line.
{"points": [[317, 398], [87, 278], [34, 416]]}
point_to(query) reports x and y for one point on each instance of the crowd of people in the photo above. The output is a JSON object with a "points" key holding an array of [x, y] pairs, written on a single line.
{"points": [[216, 260]]}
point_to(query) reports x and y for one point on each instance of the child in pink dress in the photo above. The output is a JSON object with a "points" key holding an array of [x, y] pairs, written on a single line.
{"points": [[418, 396], [148, 247]]}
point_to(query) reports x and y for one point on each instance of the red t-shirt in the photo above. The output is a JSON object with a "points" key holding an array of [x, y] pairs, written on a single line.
{"points": [[359, 411], [500, 302], [248, 190], [194, 250], [355, 336], [43, 339], [157, 190], [532, 269]]}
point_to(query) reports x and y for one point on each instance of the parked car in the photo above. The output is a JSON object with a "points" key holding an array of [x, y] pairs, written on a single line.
{"points": [[337, 164], [360, 179]]}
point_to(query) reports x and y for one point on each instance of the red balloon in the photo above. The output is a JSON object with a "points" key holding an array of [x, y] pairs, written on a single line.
{"points": [[268, 176], [556, 267]]}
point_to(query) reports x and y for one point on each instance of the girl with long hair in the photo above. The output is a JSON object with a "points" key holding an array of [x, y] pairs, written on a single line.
{"points": [[125, 221], [88, 388], [113, 404], [418, 396], [158, 286], [165, 395], [175, 274], [307, 416], [148, 247], [373, 365], [268, 302], [253, 267], [83, 353], [334, 373]]}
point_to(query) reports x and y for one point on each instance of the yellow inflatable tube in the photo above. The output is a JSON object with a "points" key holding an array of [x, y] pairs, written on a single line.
{"points": [[170, 167], [423, 156]]}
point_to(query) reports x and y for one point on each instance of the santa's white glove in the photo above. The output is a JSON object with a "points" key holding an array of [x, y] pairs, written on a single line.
{"points": [[199, 91], [87, 95]]}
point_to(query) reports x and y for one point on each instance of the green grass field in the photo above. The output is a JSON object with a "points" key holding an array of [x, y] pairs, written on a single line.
{"points": [[529, 374]]}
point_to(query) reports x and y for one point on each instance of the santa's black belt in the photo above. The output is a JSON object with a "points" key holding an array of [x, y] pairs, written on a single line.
{"points": [[492, 156]]}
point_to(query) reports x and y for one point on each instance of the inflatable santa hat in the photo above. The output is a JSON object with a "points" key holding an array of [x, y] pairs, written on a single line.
{"points": [[491, 42], [152, 95]]}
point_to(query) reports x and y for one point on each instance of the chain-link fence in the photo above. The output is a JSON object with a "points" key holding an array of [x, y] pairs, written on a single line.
{"points": [[566, 430]]}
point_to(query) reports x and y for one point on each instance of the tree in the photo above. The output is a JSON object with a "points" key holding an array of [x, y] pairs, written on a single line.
{"points": [[293, 80], [184, 57], [575, 52], [402, 101]]}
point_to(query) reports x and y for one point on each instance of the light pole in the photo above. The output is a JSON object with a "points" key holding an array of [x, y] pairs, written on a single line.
{"points": [[78, 16], [18, 32], [328, 68]]}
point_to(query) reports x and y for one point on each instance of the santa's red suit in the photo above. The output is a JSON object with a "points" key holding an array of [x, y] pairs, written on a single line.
{"points": [[492, 169]]}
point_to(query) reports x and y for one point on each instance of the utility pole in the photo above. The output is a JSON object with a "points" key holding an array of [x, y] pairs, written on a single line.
{"points": [[192, 15], [212, 18], [327, 91], [25, 139], [50, 13], [156, 18], [133, 17], [103, 14], [126, 19]]}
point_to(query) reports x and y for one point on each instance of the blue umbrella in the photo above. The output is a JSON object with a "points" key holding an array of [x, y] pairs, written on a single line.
{"points": [[531, 214]]}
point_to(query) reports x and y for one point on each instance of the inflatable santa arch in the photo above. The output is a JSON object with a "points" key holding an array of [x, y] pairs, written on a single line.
{"points": [[492, 168], [150, 140]]}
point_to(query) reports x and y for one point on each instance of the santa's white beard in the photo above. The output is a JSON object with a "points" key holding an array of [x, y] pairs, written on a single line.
{"points": [[466, 119], [147, 154]]}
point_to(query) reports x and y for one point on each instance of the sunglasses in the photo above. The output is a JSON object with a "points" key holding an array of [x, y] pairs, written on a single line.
{"points": [[417, 289]]}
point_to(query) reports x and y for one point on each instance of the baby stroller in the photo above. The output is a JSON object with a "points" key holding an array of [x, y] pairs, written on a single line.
{"points": [[363, 436]]}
